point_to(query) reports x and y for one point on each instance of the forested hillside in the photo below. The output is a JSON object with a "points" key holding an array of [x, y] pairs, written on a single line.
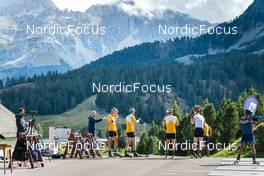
{"points": [[213, 79]]}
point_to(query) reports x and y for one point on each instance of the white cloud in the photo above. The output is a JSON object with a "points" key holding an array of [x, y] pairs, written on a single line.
{"points": [[211, 10], [191, 4]]}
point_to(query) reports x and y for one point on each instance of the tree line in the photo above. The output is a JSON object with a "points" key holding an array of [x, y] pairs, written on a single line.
{"points": [[213, 78], [224, 121]]}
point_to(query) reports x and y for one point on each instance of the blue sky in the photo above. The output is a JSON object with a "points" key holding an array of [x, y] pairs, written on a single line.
{"points": [[211, 10]]}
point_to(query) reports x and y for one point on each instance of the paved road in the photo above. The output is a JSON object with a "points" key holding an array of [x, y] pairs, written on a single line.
{"points": [[153, 166], [244, 168]]}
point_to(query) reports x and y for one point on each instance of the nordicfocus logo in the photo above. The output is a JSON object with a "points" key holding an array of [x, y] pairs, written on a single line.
{"points": [[192, 30], [130, 88], [66, 30]]}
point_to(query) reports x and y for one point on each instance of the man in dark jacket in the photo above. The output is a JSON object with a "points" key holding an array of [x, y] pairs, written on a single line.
{"points": [[20, 150], [92, 121], [20, 123]]}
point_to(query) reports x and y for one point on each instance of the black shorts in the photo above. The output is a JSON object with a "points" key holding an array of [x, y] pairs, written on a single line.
{"points": [[198, 132], [170, 135], [112, 133], [130, 135]]}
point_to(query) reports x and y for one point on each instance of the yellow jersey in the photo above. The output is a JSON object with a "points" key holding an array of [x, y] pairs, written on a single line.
{"points": [[111, 123], [130, 123], [207, 130], [170, 121]]}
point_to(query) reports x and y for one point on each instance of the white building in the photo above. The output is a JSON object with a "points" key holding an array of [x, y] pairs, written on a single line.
{"points": [[7, 122]]}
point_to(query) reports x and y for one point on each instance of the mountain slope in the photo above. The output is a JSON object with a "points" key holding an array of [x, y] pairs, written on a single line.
{"points": [[248, 39], [110, 28]]}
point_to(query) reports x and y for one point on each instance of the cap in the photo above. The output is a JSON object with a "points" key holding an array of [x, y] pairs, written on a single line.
{"points": [[132, 110], [114, 110], [169, 111]]}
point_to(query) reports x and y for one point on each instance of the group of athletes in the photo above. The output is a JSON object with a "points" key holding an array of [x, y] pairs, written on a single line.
{"points": [[170, 122]]}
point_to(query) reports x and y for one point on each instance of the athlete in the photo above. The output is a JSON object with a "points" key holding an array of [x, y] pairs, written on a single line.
{"points": [[130, 131], [169, 123], [92, 120], [112, 132], [207, 134], [246, 125], [198, 121]]}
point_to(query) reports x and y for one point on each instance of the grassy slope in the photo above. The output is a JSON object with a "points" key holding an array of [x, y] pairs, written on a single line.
{"points": [[76, 118]]}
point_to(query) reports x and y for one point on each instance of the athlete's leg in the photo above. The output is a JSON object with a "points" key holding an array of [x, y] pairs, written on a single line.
{"points": [[195, 146], [128, 142], [115, 143], [110, 143], [134, 147], [242, 147], [167, 143], [133, 141], [201, 146], [174, 147], [127, 147], [253, 148]]}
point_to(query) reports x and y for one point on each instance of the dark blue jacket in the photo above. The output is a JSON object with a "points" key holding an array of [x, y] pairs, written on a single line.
{"points": [[91, 124], [20, 124]]}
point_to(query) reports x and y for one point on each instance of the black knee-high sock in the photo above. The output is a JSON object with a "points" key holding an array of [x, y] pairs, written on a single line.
{"points": [[254, 157], [238, 156]]}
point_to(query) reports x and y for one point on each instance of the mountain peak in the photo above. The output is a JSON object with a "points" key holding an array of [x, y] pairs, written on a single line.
{"points": [[19, 6]]}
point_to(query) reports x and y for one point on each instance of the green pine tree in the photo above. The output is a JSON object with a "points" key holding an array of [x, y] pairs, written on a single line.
{"points": [[143, 143]]}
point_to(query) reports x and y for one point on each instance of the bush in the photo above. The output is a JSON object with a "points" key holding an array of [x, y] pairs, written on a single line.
{"points": [[259, 138]]}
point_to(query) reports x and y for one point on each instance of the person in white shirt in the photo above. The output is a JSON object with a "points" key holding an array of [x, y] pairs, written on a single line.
{"points": [[198, 121]]}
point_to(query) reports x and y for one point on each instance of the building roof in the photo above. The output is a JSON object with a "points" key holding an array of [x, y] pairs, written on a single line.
{"points": [[7, 122]]}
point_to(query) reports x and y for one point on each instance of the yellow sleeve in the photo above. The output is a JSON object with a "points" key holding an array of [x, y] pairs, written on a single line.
{"points": [[210, 130], [133, 119], [108, 119], [205, 127]]}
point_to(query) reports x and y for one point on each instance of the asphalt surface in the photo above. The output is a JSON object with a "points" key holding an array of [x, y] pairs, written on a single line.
{"points": [[244, 168], [153, 165]]}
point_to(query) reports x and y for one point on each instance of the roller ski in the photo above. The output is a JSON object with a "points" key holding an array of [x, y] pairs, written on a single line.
{"points": [[127, 155], [135, 154], [256, 163], [236, 162], [116, 154]]}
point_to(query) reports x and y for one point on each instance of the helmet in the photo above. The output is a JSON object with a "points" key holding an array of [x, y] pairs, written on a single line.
{"points": [[114, 110], [169, 111], [132, 110]]}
